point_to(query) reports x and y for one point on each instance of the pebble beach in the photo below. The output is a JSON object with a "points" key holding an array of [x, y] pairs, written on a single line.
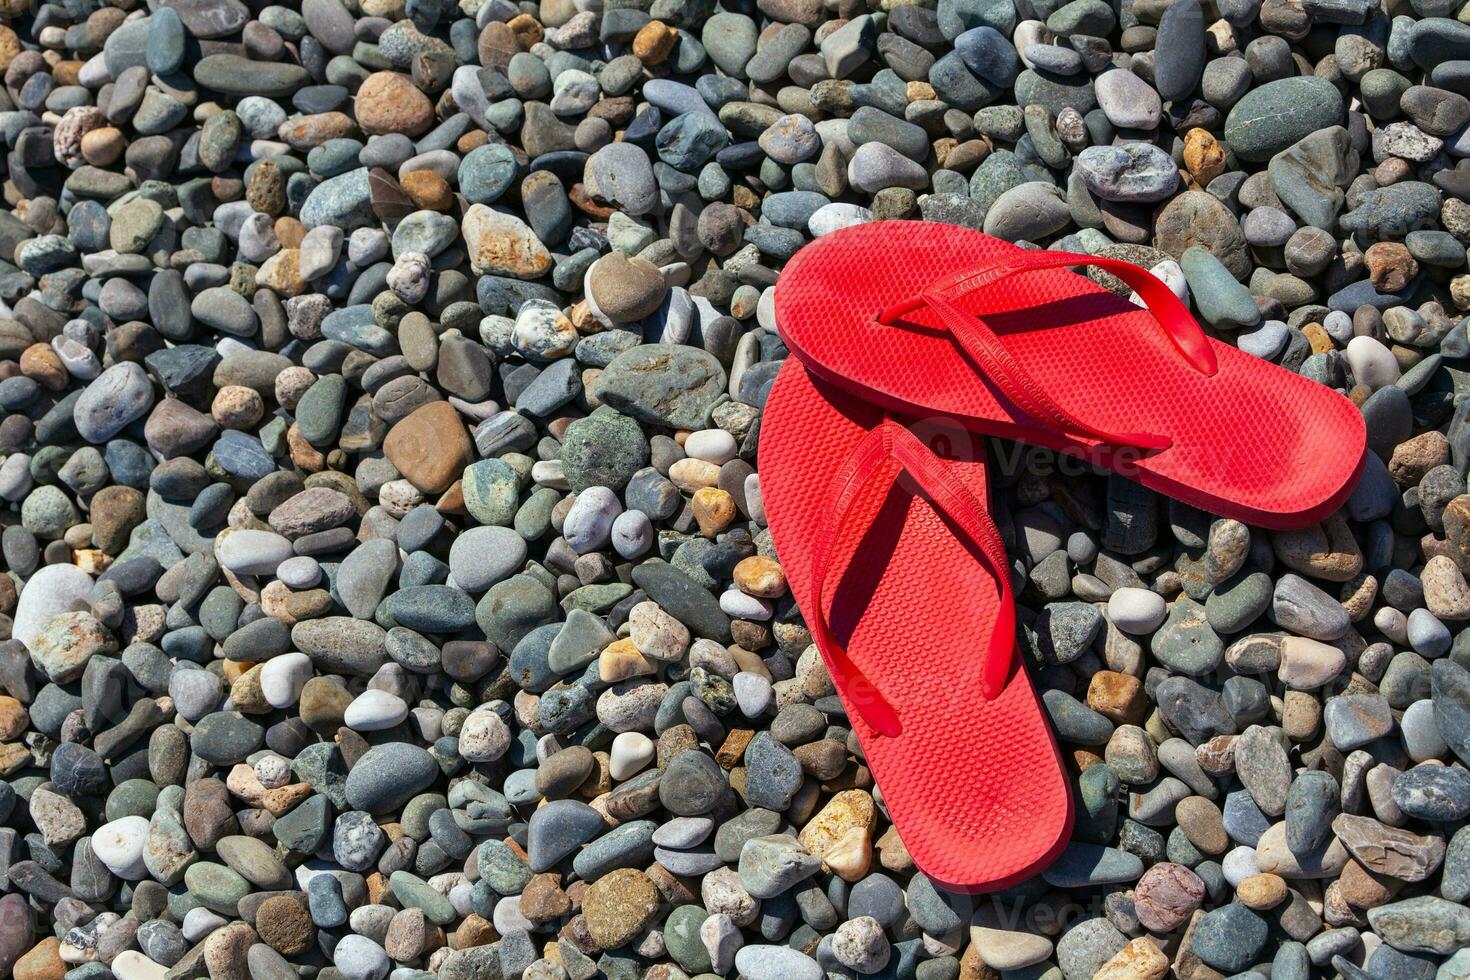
{"points": [[385, 585]]}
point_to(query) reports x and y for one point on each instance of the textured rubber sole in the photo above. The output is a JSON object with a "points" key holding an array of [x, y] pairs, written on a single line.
{"points": [[976, 788], [1254, 441]]}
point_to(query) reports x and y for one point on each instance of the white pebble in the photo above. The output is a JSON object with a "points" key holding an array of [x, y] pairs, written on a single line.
{"points": [[1339, 326], [507, 916], [631, 751], [1422, 739], [765, 309], [283, 677], [428, 721], [133, 965], [200, 922], [366, 246], [712, 445], [78, 358], [753, 500], [752, 693], [836, 216], [1239, 864], [1393, 624], [588, 525], [737, 604], [359, 958], [1372, 363], [460, 896], [119, 845], [1307, 664], [1427, 635], [398, 497], [721, 940], [272, 771], [483, 737], [632, 533], [51, 591], [1027, 33], [251, 552], [373, 711], [550, 473], [1136, 611]]}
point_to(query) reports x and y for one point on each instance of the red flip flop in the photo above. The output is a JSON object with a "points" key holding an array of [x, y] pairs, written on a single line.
{"points": [[903, 580], [929, 319]]}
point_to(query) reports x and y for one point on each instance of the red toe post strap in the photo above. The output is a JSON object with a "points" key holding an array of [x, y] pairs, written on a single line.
{"points": [[857, 492], [990, 353]]}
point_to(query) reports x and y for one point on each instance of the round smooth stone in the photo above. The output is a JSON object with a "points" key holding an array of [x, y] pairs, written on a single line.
{"points": [[301, 572], [588, 525], [119, 845], [632, 534], [1372, 363], [1136, 611], [712, 445], [373, 711], [631, 751], [283, 677], [482, 556]]}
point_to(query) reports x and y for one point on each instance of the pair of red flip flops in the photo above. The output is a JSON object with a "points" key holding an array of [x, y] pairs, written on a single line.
{"points": [[909, 340]]}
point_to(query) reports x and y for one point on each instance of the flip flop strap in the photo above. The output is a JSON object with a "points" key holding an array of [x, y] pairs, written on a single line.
{"points": [[857, 491], [990, 352]]}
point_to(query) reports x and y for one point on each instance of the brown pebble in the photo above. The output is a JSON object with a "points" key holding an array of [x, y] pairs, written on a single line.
{"points": [[246, 695], [430, 447], [13, 719], [266, 191], [1318, 339], [1203, 157], [475, 930], [893, 855], [289, 231], [237, 407], [1390, 266], [388, 102], [40, 363], [1141, 959], [823, 759], [1262, 891], [225, 949], [285, 926], [1119, 697], [474, 139], [760, 576], [322, 705], [1362, 889], [654, 42], [42, 962], [732, 750], [1201, 822], [10, 46], [543, 899], [103, 146], [714, 510], [527, 30], [1414, 458], [428, 190]]}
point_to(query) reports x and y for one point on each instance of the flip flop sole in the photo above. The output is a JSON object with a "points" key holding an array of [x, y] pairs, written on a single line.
{"points": [[1254, 441], [976, 788]]}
